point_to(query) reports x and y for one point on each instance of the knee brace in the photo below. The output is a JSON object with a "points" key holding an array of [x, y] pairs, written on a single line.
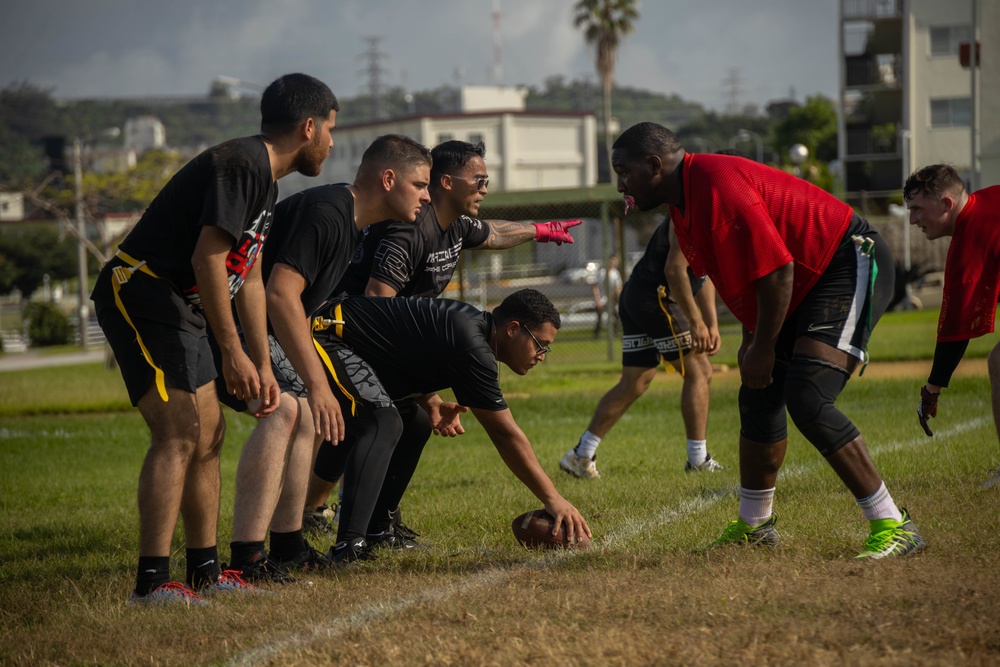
{"points": [[811, 387], [762, 412]]}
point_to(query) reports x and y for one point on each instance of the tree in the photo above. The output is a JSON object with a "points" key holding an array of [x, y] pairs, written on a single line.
{"points": [[604, 23], [813, 124], [27, 254]]}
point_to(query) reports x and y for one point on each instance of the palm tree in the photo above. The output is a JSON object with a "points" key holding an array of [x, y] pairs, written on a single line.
{"points": [[604, 23]]}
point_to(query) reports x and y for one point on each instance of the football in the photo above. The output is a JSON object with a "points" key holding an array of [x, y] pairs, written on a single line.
{"points": [[534, 530]]}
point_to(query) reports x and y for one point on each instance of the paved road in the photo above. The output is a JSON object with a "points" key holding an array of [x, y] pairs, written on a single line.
{"points": [[19, 361]]}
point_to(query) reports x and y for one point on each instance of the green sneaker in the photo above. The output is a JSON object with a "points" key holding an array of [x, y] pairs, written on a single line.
{"points": [[892, 539], [739, 531]]}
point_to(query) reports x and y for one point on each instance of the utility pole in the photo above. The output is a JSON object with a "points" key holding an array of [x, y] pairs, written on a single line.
{"points": [[83, 312]]}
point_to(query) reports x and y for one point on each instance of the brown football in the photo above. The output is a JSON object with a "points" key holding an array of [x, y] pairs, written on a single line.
{"points": [[534, 530]]}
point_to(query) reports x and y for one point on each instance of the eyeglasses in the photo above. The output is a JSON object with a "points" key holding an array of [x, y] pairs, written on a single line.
{"points": [[542, 350], [481, 182]]}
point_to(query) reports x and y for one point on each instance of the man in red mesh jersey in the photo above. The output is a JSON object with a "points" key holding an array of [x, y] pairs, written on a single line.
{"points": [[800, 270], [940, 206]]}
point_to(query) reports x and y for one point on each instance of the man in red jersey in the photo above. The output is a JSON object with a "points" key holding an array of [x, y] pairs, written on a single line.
{"points": [[800, 270], [940, 206]]}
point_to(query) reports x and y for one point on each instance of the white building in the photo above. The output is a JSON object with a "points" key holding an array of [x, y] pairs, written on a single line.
{"points": [[11, 206], [525, 150], [907, 101], [143, 133]]}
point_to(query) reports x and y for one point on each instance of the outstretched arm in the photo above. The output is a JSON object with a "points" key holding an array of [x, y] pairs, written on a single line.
{"points": [[516, 452], [508, 233]]}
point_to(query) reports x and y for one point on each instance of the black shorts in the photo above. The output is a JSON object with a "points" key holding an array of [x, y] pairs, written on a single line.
{"points": [[849, 298], [167, 341], [652, 326]]}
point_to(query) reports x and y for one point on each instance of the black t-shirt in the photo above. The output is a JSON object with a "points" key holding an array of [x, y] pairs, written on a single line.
{"points": [[648, 271], [422, 345], [416, 259], [229, 186], [315, 234]]}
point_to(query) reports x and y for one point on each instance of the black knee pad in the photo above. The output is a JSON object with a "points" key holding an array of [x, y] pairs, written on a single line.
{"points": [[762, 413], [811, 388], [332, 459]]}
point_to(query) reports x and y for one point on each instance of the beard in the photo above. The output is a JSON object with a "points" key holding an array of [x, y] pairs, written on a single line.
{"points": [[311, 160]]}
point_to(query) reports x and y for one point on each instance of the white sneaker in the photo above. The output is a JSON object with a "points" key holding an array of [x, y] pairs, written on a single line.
{"points": [[994, 479], [578, 466], [708, 465]]}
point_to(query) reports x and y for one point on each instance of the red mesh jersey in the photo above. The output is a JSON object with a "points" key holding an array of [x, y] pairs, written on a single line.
{"points": [[972, 271], [743, 220]]}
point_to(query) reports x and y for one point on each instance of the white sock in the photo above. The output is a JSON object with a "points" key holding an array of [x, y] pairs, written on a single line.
{"points": [[756, 505], [587, 446], [880, 505], [697, 451]]}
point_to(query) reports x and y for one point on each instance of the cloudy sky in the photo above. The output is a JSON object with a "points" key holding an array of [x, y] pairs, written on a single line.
{"points": [[111, 48]]}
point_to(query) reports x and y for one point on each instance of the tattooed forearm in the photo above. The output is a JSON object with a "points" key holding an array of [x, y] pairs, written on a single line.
{"points": [[507, 234]]}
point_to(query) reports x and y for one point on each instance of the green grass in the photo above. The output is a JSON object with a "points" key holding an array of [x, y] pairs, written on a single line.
{"points": [[71, 449]]}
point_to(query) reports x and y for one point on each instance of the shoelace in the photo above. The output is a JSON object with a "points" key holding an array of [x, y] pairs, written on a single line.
{"points": [[233, 578], [877, 542], [178, 588]]}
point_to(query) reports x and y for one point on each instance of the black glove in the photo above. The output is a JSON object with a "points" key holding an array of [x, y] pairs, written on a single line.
{"points": [[927, 408]]}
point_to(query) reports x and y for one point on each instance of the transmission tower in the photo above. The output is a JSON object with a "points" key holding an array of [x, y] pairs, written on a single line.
{"points": [[497, 58], [733, 92], [374, 70]]}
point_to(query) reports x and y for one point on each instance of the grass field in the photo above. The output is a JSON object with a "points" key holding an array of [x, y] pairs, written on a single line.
{"points": [[70, 451]]}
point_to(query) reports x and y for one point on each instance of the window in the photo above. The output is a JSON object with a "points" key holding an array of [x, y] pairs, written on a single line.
{"points": [[945, 39], [951, 112], [476, 138], [445, 136]]}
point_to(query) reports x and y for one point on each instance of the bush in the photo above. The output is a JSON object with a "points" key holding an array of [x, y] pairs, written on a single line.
{"points": [[47, 325]]}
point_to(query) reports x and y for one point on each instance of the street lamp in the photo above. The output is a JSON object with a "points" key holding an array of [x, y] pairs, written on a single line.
{"points": [[83, 311], [798, 154], [745, 135]]}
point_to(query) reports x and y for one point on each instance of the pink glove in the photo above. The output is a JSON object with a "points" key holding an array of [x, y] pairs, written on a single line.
{"points": [[556, 231]]}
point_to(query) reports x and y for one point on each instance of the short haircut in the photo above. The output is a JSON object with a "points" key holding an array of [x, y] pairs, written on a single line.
{"points": [[647, 139], [933, 181], [291, 99], [529, 307], [451, 156], [393, 151]]}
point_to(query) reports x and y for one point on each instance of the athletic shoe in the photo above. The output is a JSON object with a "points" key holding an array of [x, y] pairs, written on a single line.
{"points": [[347, 552], [169, 594], [317, 521], [993, 480], [740, 532], [399, 528], [230, 581], [892, 539], [309, 560], [389, 539], [579, 466], [262, 569], [708, 465]]}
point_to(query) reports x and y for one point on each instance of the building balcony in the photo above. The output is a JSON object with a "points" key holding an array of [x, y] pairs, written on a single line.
{"points": [[884, 71], [878, 141], [871, 9]]}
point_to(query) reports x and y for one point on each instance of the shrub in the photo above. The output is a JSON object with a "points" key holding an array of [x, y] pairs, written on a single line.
{"points": [[47, 325]]}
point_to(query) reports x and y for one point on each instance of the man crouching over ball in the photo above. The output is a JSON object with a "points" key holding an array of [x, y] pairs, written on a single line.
{"points": [[378, 350]]}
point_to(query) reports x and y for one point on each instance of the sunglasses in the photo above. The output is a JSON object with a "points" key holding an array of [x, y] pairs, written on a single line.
{"points": [[542, 350], [481, 182]]}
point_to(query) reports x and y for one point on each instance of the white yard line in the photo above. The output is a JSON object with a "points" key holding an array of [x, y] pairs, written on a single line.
{"points": [[378, 611]]}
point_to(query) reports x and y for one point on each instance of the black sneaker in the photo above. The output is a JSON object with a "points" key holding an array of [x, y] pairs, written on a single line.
{"points": [[388, 539], [317, 521], [400, 529], [347, 552], [261, 569], [309, 560]]}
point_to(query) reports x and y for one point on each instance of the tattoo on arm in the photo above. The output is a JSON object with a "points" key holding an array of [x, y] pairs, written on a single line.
{"points": [[507, 234]]}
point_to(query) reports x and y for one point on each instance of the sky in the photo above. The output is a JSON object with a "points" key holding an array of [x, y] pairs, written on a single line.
{"points": [[774, 49]]}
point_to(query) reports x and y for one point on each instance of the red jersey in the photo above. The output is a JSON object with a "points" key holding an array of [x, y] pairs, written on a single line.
{"points": [[743, 220], [972, 270]]}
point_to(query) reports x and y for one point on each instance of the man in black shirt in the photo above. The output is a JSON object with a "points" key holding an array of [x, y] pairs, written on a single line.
{"points": [[315, 236], [398, 259], [369, 345], [168, 291]]}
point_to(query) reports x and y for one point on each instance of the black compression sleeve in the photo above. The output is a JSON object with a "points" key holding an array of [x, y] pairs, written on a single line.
{"points": [[946, 358]]}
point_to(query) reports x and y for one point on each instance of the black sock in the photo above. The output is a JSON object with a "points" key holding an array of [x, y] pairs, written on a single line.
{"points": [[243, 553], [153, 571], [203, 567], [285, 546]]}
